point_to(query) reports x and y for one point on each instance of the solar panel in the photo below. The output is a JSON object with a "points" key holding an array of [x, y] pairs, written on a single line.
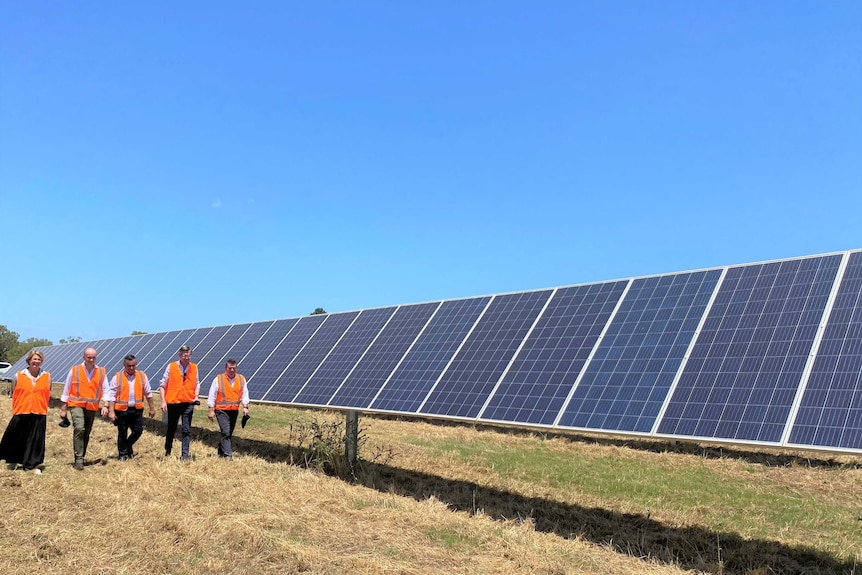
{"points": [[434, 349], [282, 354], [767, 353], [212, 361], [628, 378], [259, 353], [469, 379], [313, 351], [746, 365], [240, 348], [538, 383], [351, 347], [383, 356], [830, 414]]}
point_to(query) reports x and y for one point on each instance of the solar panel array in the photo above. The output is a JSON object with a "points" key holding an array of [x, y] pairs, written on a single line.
{"points": [[765, 353]]}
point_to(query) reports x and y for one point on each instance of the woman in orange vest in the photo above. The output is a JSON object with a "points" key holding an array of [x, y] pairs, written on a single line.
{"points": [[23, 441]]}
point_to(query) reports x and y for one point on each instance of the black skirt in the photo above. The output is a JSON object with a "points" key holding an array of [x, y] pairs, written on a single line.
{"points": [[24, 440]]}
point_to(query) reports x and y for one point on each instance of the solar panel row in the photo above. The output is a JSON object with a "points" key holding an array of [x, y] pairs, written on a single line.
{"points": [[767, 353]]}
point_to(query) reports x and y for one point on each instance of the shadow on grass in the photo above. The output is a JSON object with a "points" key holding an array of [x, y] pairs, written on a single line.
{"points": [[634, 534]]}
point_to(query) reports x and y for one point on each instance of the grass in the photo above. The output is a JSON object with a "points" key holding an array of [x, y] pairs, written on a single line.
{"points": [[427, 498]]}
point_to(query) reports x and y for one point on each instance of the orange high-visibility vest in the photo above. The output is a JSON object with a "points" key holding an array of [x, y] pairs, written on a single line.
{"points": [[31, 396], [229, 396], [177, 389], [86, 392], [123, 388]]}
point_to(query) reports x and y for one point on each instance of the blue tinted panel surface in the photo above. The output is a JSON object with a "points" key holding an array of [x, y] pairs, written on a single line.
{"points": [[153, 347], [58, 359], [192, 341], [539, 381], [283, 354], [321, 386], [307, 360], [108, 350], [474, 372], [746, 366], [260, 352], [239, 349], [161, 352], [203, 347], [384, 354], [112, 358], [212, 363], [630, 374], [426, 360], [60, 366], [831, 410]]}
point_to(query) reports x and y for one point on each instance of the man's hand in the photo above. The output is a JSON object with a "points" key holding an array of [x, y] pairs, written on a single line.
{"points": [[211, 414]]}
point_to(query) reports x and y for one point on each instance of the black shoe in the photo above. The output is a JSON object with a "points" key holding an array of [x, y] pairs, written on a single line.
{"points": [[79, 466], [124, 458], [168, 453]]}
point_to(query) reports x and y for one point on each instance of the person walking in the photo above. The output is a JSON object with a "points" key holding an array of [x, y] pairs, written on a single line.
{"points": [[179, 388], [228, 392], [23, 441], [81, 395], [124, 405]]}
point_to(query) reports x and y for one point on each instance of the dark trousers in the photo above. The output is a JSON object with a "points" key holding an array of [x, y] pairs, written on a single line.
{"points": [[226, 423], [132, 420], [176, 411]]}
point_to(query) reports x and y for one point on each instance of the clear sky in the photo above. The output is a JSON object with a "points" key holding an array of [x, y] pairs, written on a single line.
{"points": [[167, 165]]}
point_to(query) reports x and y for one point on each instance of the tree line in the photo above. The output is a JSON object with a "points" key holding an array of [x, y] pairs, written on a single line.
{"points": [[12, 348]]}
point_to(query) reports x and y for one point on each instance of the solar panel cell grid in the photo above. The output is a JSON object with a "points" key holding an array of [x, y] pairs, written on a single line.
{"points": [[478, 366], [830, 412], [312, 353], [272, 368], [410, 383], [752, 400], [370, 374], [321, 386], [642, 350], [536, 386]]}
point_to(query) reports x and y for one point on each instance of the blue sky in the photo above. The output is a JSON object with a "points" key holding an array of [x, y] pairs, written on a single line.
{"points": [[167, 165]]}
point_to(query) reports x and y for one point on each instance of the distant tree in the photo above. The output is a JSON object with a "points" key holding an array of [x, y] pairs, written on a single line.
{"points": [[8, 341], [318, 311], [22, 347], [70, 339], [136, 332]]}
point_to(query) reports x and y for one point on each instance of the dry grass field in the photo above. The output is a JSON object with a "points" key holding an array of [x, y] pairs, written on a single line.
{"points": [[426, 499]]}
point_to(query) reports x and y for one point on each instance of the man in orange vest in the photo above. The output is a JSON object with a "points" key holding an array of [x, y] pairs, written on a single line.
{"points": [[228, 392], [81, 396], [125, 396], [179, 389]]}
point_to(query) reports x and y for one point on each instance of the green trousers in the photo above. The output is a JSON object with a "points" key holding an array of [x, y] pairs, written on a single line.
{"points": [[82, 425]]}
